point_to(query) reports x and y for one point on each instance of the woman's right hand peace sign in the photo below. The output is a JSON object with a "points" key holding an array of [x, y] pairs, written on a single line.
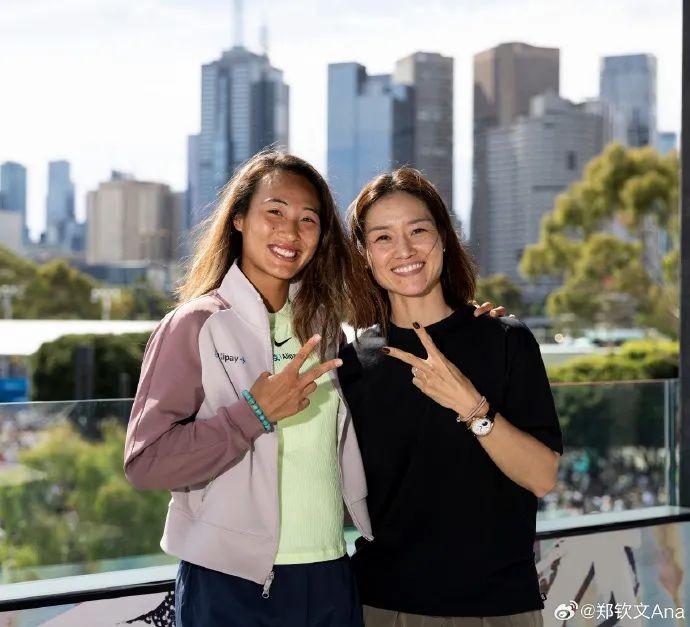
{"points": [[286, 393]]}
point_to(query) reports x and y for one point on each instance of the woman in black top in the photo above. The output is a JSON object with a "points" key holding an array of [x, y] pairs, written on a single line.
{"points": [[455, 420]]}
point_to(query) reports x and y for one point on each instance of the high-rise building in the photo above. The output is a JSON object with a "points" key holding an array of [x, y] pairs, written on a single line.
{"points": [[244, 109], [75, 237], [13, 191], [611, 117], [192, 203], [506, 78], [628, 83], [363, 112], [378, 122], [59, 204], [11, 230], [429, 76], [132, 221], [529, 162]]}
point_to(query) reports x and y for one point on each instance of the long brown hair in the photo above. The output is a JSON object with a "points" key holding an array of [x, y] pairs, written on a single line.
{"points": [[324, 297], [459, 274]]}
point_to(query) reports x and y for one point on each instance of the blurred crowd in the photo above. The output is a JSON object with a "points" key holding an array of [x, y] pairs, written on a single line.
{"points": [[624, 478]]}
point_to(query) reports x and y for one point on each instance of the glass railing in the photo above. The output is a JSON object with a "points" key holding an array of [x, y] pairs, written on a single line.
{"points": [[67, 509], [618, 438]]}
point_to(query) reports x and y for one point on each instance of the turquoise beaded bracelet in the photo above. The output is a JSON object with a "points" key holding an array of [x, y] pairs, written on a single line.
{"points": [[257, 410]]}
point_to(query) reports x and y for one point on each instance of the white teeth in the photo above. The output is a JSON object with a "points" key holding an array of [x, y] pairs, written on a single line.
{"points": [[409, 268], [288, 254]]}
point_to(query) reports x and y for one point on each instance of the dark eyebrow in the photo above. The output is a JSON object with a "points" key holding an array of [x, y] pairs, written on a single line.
{"points": [[388, 226], [283, 202]]}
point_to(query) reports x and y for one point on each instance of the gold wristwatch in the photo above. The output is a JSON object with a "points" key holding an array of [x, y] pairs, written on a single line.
{"points": [[482, 425]]}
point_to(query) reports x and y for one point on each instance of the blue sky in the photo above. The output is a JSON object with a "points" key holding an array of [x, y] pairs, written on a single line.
{"points": [[114, 84]]}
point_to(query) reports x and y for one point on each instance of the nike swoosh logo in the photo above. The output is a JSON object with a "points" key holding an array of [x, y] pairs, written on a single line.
{"points": [[281, 343]]}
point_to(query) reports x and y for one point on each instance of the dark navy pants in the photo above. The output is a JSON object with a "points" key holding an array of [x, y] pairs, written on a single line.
{"points": [[323, 594]]}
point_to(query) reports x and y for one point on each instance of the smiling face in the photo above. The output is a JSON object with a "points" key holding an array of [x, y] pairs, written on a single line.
{"points": [[281, 228], [403, 245]]}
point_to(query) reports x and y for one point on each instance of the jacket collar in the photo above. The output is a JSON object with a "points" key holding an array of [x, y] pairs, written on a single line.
{"points": [[243, 297]]}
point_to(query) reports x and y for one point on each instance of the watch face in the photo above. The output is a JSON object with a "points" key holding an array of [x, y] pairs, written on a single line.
{"points": [[482, 426]]}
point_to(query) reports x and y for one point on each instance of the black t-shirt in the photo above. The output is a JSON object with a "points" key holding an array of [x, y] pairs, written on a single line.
{"points": [[453, 535]]}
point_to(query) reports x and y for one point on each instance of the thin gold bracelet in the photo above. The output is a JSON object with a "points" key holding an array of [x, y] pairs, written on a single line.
{"points": [[477, 407], [473, 413]]}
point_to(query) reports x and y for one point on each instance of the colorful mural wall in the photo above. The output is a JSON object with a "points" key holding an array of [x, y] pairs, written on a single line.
{"points": [[632, 577]]}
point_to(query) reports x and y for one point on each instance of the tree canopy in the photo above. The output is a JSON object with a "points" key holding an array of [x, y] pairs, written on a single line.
{"points": [[598, 240], [58, 290]]}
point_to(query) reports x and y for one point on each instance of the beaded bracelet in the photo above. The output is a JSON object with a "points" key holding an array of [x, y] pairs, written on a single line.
{"points": [[257, 410]]}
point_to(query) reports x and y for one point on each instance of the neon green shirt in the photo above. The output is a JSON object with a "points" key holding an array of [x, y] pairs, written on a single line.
{"points": [[311, 502]]}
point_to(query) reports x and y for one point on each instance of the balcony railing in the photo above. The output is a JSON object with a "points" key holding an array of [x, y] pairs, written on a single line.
{"points": [[66, 508]]}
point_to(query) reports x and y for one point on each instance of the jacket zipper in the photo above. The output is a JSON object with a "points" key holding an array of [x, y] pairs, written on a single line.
{"points": [[266, 592], [267, 585]]}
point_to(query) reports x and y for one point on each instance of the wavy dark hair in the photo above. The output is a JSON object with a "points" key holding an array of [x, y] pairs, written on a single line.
{"points": [[325, 293], [459, 273]]}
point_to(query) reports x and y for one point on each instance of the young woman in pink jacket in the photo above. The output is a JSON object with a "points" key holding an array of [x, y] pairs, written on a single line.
{"points": [[238, 411]]}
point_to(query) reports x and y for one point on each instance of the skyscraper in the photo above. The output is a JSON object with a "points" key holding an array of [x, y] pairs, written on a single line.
{"points": [[429, 76], [628, 83], [506, 78], [244, 108], [130, 220], [378, 122], [529, 162], [11, 230], [59, 204], [192, 203], [13, 191], [363, 113]]}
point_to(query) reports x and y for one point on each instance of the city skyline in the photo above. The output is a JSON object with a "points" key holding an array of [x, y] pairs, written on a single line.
{"points": [[382, 121], [122, 118]]}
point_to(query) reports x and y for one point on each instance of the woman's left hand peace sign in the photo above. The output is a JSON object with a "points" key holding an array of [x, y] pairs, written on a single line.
{"points": [[438, 377]]}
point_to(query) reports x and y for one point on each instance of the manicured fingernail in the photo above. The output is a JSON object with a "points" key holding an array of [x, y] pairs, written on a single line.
{"points": [[339, 362], [316, 337], [415, 325], [386, 350]]}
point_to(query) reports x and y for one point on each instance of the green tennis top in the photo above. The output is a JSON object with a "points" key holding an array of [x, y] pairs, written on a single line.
{"points": [[311, 502]]}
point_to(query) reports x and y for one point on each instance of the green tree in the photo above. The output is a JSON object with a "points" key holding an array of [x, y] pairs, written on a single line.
{"points": [[81, 509], [15, 270], [636, 359], [141, 301], [605, 278], [58, 291], [608, 411], [117, 363], [500, 290]]}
